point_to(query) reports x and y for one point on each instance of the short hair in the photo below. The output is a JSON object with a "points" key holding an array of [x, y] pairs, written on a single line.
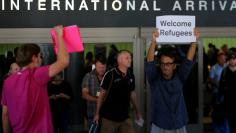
{"points": [[169, 51], [101, 58], [89, 56], [15, 51], [123, 51], [210, 45], [25, 54], [120, 53], [220, 52], [114, 48], [231, 53], [9, 54]]}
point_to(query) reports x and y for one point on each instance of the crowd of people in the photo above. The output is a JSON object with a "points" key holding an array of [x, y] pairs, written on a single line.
{"points": [[220, 69], [36, 99]]}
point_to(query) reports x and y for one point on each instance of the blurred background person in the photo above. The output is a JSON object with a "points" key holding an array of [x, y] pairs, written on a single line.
{"points": [[227, 89], [60, 96]]}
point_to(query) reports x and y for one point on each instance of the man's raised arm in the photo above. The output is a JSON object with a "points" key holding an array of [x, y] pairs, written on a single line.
{"points": [[193, 46], [151, 50], [62, 56]]}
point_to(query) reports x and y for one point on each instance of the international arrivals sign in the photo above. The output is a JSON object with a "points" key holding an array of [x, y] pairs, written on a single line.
{"points": [[112, 13]]}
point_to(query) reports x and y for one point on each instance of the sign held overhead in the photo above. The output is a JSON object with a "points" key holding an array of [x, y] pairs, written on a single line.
{"points": [[175, 29]]}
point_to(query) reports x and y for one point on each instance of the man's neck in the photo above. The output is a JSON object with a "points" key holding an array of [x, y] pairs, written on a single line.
{"points": [[222, 65], [25, 67], [232, 68], [123, 69], [167, 77], [31, 65], [99, 77]]}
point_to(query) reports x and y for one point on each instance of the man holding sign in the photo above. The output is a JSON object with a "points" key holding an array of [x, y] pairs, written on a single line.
{"points": [[167, 102]]}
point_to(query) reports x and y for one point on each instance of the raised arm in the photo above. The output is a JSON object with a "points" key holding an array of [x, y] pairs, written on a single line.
{"points": [[151, 50], [193, 46], [62, 55]]}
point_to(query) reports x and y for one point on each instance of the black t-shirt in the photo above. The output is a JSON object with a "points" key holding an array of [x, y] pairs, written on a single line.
{"points": [[228, 89], [117, 103]]}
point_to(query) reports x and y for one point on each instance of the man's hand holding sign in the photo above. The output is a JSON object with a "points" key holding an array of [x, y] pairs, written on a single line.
{"points": [[157, 37], [177, 29]]}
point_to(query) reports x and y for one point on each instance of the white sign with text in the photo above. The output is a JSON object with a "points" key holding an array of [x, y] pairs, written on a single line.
{"points": [[175, 29]]}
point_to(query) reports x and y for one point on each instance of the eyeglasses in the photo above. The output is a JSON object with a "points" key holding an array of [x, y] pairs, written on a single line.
{"points": [[168, 64]]}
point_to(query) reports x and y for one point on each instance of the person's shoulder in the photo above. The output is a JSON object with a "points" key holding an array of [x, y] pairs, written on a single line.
{"points": [[5, 77], [87, 74], [226, 69], [110, 71], [93, 72], [187, 63], [218, 66], [90, 74], [130, 74], [41, 68], [11, 76], [8, 79], [214, 67]]}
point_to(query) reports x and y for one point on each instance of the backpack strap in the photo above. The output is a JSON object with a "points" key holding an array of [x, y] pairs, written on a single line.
{"points": [[222, 85], [109, 87]]}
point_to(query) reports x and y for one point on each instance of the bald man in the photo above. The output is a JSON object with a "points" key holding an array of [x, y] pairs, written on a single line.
{"points": [[117, 90]]}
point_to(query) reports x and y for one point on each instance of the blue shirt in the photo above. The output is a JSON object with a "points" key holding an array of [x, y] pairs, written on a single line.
{"points": [[215, 74], [168, 109]]}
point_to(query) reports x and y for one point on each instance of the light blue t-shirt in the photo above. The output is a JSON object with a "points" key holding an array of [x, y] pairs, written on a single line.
{"points": [[215, 74]]}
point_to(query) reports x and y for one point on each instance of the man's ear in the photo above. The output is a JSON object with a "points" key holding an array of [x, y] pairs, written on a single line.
{"points": [[34, 58]]}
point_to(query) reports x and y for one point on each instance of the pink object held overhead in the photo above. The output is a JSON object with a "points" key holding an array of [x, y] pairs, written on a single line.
{"points": [[72, 38]]}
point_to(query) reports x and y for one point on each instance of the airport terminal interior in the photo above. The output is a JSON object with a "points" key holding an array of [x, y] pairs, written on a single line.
{"points": [[197, 90]]}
